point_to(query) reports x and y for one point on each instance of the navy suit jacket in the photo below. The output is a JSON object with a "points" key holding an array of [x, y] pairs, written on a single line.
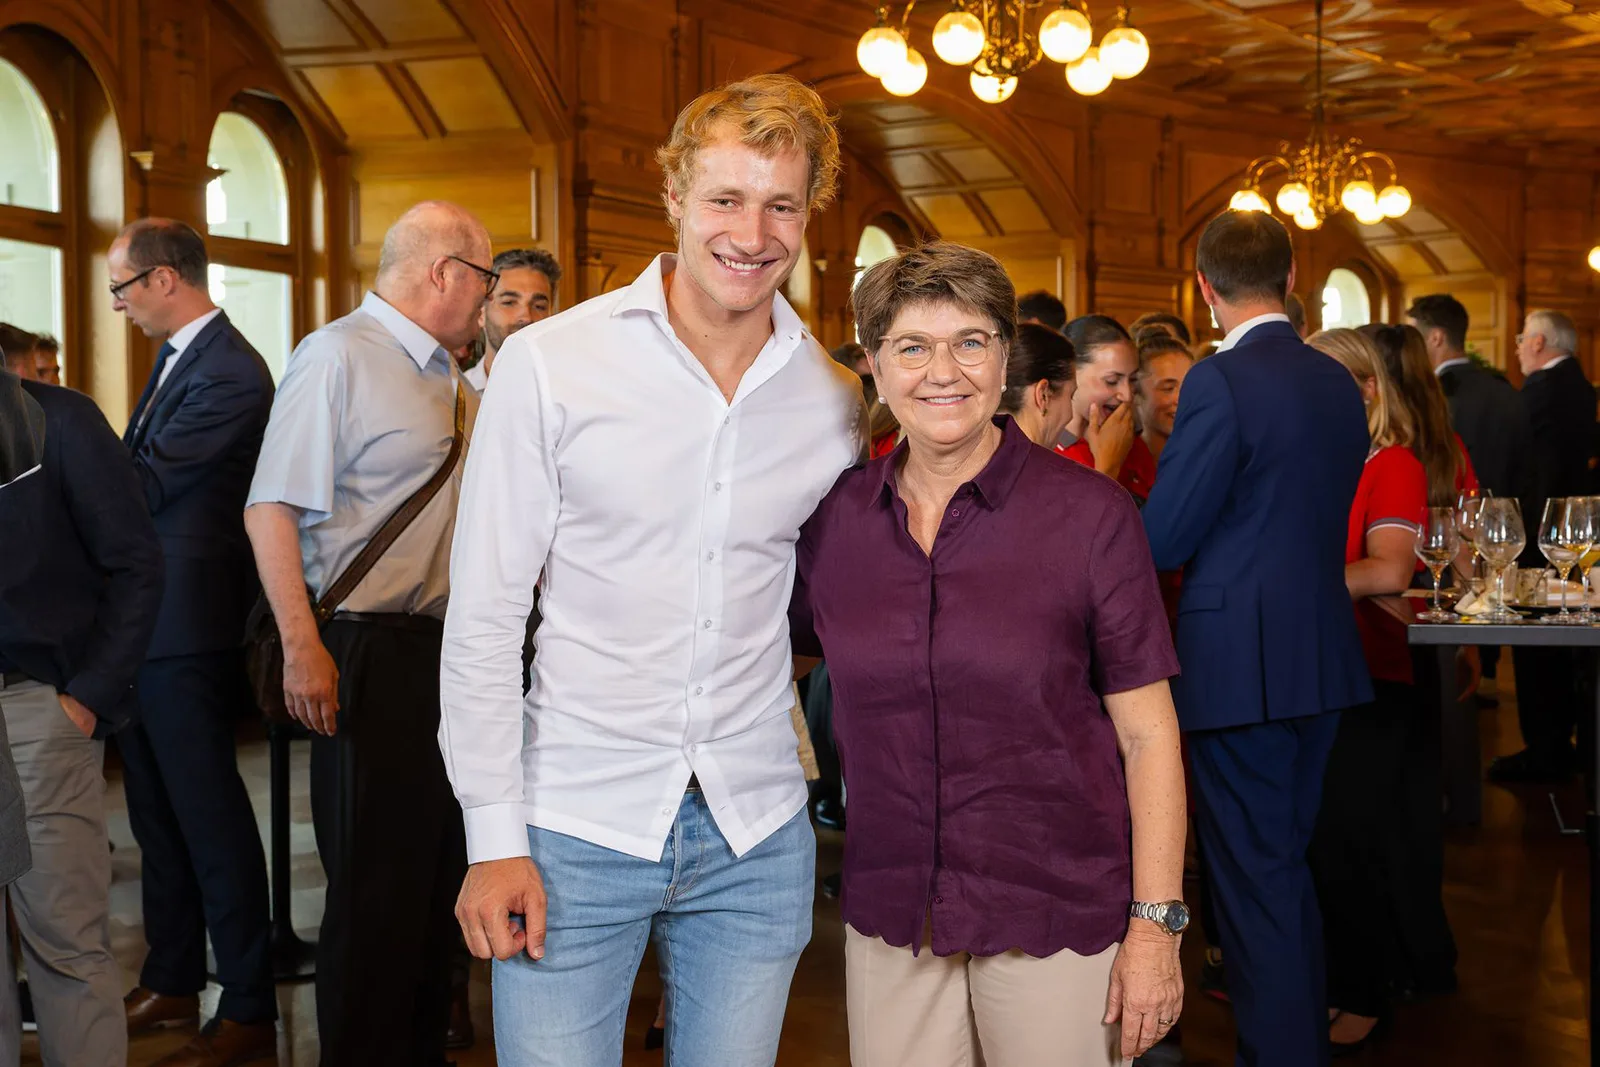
{"points": [[80, 569], [195, 456], [1253, 501]]}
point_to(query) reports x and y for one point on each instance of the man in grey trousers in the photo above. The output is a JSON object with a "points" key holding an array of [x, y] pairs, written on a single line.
{"points": [[80, 584]]}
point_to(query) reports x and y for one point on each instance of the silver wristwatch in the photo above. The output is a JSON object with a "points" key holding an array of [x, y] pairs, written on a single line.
{"points": [[1171, 915]]}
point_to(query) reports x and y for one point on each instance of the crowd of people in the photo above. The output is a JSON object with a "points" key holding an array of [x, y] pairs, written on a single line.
{"points": [[1063, 594]]}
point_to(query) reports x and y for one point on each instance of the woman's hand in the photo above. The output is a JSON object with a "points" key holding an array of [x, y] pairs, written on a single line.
{"points": [[1146, 988], [1110, 438]]}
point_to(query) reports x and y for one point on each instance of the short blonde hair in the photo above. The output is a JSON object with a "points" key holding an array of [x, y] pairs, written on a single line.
{"points": [[1388, 419], [770, 112]]}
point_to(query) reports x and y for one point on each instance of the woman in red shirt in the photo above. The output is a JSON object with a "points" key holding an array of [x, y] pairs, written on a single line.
{"points": [[1106, 364], [1444, 457], [1366, 820]]}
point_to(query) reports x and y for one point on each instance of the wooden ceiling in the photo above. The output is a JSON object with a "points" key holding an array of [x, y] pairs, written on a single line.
{"points": [[1519, 72], [961, 188], [386, 71]]}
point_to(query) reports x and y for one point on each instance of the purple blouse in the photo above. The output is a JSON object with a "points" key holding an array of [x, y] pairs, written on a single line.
{"points": [[985, 786]]}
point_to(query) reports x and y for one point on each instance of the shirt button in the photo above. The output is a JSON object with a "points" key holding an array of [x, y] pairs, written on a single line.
{"points": [[706, 625], [710, 557], [666, 811], [699, 689], [718, 487], [955, 513]]}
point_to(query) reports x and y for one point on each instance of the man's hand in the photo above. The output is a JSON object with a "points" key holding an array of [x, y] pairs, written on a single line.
{"points": [[494, 891], [81, 716], [1110, 438], [311, 685], [1146, 992]]}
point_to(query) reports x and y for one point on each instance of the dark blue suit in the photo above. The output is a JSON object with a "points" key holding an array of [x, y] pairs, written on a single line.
{"points": [[1253, 501], [194, 443]]}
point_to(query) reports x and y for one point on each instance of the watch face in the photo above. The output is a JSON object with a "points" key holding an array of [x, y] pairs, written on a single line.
{"points": [[1176, 918]]}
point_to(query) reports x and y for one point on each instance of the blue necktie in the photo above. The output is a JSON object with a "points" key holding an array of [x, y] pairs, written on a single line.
{"points": [[147, 399]]}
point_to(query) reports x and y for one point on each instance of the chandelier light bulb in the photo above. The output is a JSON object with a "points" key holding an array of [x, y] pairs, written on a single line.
{"points": [[1294, 198], [1308, 219], [1248, 200], [1124, 51], [958, 38], [1394, 201], [992, 89], [909, 76], [880, 50], [1594, 257], [1088, 76], [1370, 217], [1358, 196], [1065, 35]]}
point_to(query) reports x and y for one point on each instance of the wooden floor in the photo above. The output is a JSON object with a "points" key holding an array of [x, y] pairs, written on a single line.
{"points": [[1516, 890]]}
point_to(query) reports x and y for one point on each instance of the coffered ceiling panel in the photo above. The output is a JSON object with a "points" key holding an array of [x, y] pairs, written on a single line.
{"points": [[405, 21], [465, 94], [951, 215], [303, 24], [1015, 211], [363, 101], [1524, 71]]}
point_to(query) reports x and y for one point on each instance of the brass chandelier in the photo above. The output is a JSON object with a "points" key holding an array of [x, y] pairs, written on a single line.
{"points": [[1326, 175], [991, 37]]}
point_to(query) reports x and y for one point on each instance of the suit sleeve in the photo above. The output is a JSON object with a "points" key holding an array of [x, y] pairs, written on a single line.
{"points": [[1196, 471], [215, 414], [109, 512]]}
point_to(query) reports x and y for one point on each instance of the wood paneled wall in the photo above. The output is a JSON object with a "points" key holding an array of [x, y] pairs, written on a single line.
{"points": [[1102, 199]]}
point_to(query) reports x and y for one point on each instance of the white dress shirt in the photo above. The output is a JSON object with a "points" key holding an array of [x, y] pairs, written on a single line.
{"points": [[663, 521], [180, 341], [1236, 334]]}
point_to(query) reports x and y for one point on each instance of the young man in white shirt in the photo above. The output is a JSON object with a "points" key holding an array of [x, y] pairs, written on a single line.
{"points": [[652, 453]]}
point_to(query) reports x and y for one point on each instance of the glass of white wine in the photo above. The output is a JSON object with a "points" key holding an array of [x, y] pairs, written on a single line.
{"points": [[1469, 517], [1438, 542], [1501, 539], [1591, 504], [1564, 536]]}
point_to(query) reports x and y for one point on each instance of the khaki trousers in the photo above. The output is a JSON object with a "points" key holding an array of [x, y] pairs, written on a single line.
{"points": [[1011, 1010]]}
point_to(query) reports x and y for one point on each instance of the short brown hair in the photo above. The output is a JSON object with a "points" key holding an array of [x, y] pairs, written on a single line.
{"points": [[771, 112], [168, 243], [1246, 254], [16, 344], [933, 273]]}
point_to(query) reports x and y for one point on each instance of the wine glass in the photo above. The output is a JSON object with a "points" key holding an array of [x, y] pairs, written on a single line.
{"points": [[1437, 543], [1564, 537], [1591, 505], [1469, 517], [1501, 539]]}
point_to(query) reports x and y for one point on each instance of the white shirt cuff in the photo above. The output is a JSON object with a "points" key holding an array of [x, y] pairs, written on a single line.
{"points": [[496, 832]]}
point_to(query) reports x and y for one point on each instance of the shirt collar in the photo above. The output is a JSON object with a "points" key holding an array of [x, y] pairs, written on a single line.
{"points": [[1459, 361], [418, 343], [991, 485], [648, 292], [1236, 334], [184, 336], [1552, 363]]}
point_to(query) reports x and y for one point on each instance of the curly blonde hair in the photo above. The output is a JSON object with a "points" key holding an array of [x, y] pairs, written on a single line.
{"points": [[770, 112]]}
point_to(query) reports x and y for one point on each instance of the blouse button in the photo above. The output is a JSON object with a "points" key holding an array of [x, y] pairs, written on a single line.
{"points": [[955, 513]]}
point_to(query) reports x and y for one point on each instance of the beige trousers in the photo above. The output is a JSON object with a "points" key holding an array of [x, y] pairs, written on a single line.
{"points": [[1011, 1010]]}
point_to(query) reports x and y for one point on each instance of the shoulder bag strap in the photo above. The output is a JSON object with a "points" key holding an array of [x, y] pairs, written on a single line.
{"points": [[396, 524]]}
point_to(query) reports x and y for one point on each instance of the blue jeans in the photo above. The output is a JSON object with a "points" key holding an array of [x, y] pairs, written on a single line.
{"points": [[728, 934]]}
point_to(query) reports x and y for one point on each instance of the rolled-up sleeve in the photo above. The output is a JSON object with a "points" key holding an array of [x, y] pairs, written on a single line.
{"points": [[504, 527], [1128, 623], [299, 454]]}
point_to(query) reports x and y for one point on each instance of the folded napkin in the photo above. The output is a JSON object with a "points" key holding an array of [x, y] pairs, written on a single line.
{"points": [[1474, 604]]}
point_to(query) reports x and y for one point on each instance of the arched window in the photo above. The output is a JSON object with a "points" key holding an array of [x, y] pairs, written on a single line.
{"points": [[247, 217], [32, 231], [1345, 302], [875, 245]]}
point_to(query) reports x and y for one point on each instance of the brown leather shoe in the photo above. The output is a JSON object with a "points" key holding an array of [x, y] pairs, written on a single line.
{"points": [[460, 1035], [149, 1011], [225, 1043]]}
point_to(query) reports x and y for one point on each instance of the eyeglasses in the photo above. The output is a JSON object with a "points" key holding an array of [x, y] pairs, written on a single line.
{"points": [[970, 348], [119, 287], [490, 277]]}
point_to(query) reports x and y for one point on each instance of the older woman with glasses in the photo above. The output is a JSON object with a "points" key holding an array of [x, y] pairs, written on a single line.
{"points": [[1000, 658]]}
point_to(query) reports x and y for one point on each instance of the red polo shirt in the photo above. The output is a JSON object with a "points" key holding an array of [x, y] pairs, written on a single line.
{"points": [[1393, 491], [1138, 470]]}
